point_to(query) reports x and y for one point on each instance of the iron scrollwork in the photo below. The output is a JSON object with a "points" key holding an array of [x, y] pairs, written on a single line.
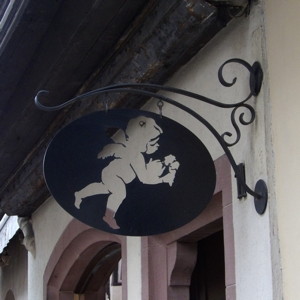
{"points": [[260, 192]]}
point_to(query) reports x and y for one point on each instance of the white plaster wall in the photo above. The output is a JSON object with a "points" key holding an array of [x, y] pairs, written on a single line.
{"points": [[116, 293], [243, 38], [49, 222], [134, 268], [283, 53]]}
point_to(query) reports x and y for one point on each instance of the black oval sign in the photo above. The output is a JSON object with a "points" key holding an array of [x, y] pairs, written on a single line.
{"points": [[129, 172]]}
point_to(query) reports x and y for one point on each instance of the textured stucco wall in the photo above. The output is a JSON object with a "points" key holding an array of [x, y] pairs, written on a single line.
{"points": [[283, 53], [49, 222]]}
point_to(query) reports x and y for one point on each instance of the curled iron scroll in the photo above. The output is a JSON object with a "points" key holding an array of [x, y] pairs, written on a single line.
{"points": [[151, 90], [242, 120]]}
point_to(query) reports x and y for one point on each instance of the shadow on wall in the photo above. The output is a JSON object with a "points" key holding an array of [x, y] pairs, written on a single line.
{"points": [[9, 295]]}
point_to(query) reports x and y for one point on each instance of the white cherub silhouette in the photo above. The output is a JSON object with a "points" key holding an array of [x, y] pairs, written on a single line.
{"points": [[141, 136]]}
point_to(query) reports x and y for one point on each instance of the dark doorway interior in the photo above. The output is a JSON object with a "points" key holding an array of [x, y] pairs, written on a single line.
{"points": [[208, 278]]}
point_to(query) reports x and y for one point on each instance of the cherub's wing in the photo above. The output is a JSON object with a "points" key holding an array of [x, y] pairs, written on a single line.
{"points": [[111, 150], [119, 137]]}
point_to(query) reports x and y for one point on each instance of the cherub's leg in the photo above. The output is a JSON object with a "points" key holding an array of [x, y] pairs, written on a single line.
{"points": [[117, 188], [92, 189]]}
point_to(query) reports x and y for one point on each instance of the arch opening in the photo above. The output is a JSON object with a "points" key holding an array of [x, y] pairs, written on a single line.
{"points": [[83, 265]]}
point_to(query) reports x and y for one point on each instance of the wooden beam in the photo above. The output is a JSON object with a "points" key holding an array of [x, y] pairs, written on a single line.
{"points": [[55, 46], [172, 33]]}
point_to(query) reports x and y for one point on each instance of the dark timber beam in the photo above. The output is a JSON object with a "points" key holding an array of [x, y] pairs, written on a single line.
{"points": [[55, 47], [150, 52]]}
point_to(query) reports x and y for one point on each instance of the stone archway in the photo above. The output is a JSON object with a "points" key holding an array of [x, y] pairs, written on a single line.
{"points": [[82, 262]]}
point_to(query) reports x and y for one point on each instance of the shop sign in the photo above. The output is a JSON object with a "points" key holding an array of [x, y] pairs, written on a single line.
{"points": [[129, 172]]}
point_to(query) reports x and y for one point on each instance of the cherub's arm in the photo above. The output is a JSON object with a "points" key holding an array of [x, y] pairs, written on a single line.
{"points": [[147, 173], [151, 172]]}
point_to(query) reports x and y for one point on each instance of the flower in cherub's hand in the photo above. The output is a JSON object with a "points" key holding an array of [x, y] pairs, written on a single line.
{"points": [[169, 159], [171, 162], [174, 165]]}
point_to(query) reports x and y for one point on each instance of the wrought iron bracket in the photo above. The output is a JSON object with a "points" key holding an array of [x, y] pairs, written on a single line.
{"points": [[260, 192]]}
